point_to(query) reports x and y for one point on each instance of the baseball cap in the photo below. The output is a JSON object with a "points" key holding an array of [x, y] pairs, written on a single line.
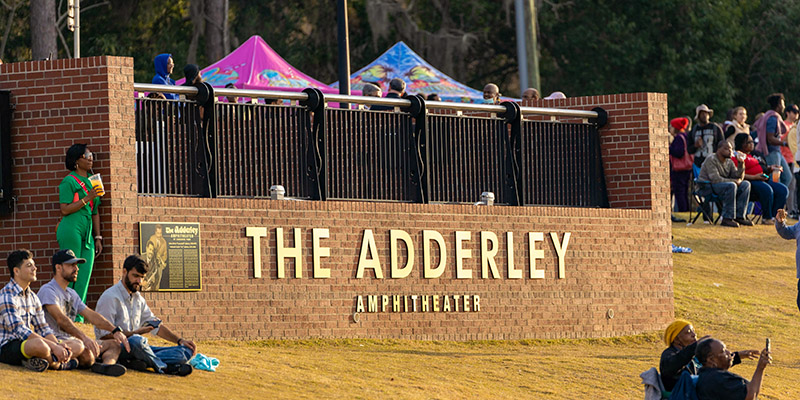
{"points": [[66, 257]]}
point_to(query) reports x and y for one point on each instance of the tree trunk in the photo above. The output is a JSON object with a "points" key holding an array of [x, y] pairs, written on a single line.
{"points": [[196, 10], [215, 22], [43, 29]]}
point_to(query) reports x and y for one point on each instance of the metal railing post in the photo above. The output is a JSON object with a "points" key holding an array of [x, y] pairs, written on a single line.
{"points": [[512, 143], [417, 152], [314, 143]]}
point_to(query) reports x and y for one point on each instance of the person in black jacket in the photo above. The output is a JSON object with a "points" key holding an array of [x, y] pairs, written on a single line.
{"points": [[397, 88], [679, 356]]}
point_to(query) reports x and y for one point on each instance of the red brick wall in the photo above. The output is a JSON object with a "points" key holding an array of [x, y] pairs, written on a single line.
{"points": [[60, 103], [618, 259]]}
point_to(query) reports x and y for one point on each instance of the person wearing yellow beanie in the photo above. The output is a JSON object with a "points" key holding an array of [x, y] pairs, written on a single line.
{"points": [[681, 341]]}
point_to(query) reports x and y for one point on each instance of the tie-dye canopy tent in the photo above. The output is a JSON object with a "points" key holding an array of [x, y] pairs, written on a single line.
{"points": [[254, 65], [420, 77]]}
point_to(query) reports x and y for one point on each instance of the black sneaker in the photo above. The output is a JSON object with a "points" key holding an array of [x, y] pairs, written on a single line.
{"points": [[729, 222], [136, 365], [677, 219], [108, 369], [35, 364], [744, 221], [69, 365], [178, 369]]}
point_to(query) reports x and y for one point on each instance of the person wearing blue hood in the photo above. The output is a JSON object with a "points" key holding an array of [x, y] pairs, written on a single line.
{"points": [[164, 64]]}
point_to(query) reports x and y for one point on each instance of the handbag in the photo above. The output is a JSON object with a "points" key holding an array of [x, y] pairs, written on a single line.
{"points": [[684, 163]]}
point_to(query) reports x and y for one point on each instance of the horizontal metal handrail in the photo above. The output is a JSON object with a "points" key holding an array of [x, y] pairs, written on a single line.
{"points": [[300, 96]]}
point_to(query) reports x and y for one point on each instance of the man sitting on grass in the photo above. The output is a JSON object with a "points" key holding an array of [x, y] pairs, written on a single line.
{"points": [[716, 383], [20, 310], [124, 306], [727, 181], [61, 305]]}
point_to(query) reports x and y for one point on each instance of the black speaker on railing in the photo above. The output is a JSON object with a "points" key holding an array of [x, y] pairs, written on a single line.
{"points": [[6, 195]]}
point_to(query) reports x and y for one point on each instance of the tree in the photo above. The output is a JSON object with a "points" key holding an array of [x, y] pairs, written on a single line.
{"points": [[43, 29], [215, 29]]}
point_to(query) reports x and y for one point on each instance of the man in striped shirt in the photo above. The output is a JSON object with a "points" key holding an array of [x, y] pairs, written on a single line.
{"points": [[25, 337]]}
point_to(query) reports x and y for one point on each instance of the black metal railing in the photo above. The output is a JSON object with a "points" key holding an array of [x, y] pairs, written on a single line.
{"points": [[418, 152], [257, 146], [564, 165]]}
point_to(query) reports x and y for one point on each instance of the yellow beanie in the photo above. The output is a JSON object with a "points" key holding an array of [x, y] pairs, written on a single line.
{"points": [[674, 329]]}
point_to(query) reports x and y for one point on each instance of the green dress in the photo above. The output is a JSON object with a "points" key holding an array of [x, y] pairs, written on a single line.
{"points": [[75, 230]]}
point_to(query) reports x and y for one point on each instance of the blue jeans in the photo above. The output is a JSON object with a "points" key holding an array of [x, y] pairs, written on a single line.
{"points": [[771, 195], [154, 356], [734, 197], [776, 158]]}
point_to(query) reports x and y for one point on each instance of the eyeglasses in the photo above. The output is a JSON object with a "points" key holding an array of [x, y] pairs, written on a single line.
{"points": [[88, 156]]}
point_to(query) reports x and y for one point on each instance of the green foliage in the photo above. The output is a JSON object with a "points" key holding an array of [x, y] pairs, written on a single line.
{"points": [[722, 53]]}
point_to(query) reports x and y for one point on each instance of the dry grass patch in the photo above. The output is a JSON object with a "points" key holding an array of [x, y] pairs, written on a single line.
{"points": [[738, 285]]}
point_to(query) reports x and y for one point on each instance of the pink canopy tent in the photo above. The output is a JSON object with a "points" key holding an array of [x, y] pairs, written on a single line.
{"points": [[254, 65]]}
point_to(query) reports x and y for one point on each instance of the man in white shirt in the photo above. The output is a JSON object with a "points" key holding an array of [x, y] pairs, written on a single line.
{"points": [[61, 304], [124, 306]]}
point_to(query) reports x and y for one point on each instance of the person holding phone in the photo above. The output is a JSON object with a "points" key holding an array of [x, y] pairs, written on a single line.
{"points": [[715, 382], [124, 306]]}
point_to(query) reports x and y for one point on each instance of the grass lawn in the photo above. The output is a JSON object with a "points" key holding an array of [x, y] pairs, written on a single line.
{"points": [[738, 285]]}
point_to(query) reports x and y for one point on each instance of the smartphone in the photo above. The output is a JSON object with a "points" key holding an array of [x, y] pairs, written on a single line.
{"points": [[154, 323], [769, 347]]}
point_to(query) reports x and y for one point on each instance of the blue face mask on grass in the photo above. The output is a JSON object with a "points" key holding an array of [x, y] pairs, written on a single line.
{"points": [[204, 362]]}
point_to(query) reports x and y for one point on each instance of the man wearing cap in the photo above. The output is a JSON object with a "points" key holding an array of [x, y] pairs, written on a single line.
{"points": [[679, 356], [727, 182], [124, 306], [705, 135], [25, 337], [61, 305]]}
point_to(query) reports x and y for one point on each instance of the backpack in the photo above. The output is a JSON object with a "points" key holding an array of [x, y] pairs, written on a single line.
{"points": [[685, 389]]}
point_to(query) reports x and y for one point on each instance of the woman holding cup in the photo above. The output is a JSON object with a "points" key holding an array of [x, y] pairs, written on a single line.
{"points": [[79, 228]]}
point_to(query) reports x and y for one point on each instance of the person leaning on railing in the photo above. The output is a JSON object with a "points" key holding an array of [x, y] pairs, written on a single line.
{"points": [[164, 65], [79, 228]]}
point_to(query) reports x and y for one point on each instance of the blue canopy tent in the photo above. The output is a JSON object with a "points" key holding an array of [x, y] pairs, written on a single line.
{"points": [[420, 77]]}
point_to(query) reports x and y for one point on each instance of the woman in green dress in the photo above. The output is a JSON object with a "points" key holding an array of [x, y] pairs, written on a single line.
{"points": [[79, 229]]}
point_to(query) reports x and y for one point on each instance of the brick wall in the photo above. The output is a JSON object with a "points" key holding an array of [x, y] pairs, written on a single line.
{"points": [[618, 259], [60, 103]]}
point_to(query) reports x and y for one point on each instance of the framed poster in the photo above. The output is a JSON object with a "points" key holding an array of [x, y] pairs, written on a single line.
{"points": [[173, 252]]}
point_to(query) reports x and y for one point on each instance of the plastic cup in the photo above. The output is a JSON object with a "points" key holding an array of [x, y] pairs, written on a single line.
{"points": [[97, 182], [776, 176]]}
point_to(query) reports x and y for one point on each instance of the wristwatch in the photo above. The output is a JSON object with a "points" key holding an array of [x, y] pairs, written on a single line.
{"points": [[117, 329]]}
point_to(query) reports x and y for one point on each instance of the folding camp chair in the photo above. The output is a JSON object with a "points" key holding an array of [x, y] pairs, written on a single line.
{"points": [[705, 203], [753, 210]]}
